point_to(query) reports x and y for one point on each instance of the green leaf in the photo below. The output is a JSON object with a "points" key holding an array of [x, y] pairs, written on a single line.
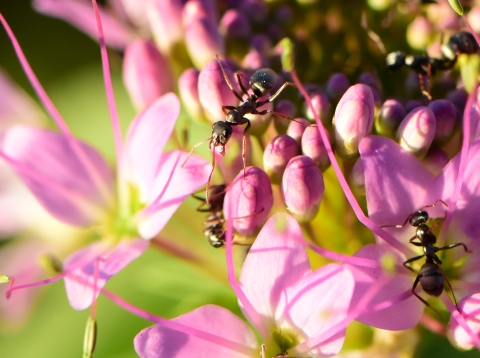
{"points": [[455, 4]]}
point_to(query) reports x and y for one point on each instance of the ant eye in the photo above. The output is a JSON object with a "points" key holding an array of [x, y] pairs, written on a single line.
{"points": [[262, 81]]}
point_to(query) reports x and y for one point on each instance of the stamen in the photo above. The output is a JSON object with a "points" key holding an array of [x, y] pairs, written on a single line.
{"points": [[112, 107], [253, 315], [94, 174], [453, 198], [4, 279], [352, 260], [388, 238], [90, 338]]}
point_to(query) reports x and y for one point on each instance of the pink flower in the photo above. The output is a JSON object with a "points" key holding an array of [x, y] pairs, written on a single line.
{"points": [[76, 185], [290, 302]]}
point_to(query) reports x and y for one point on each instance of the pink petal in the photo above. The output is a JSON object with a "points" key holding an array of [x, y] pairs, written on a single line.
{"points": [[158, 341], [80, 283], [173, 185], [395, 181], [276, 261], [316, 303], [146, 140], [403, 315], [21, 261], [80, 14], [46, 162], [16, 106], [470, 309]]}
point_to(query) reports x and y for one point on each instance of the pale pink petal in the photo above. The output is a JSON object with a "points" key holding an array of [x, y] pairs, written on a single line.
{"points": [[403, 315], [470, 309], [395, 181], [16, 107], [318, 302], [159, 342], [146, 140], [96, 264], [20, 260], [173, 185], [46, 162], [80, 14], [276, 261]]}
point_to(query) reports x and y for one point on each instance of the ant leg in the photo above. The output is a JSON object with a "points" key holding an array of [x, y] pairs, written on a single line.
{"points": [[228, 81], [277, 114], [193, 148], [448, 247], [275, 95], [415, 242], [210, 176], [422, 86], [244, 147], [226, 109], [411, 260], [417, 280], [240, 83], [449, 285]]}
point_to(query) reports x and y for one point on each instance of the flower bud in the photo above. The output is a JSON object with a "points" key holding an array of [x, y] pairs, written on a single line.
{"points": [[254, 60], [417, 130], [214, 92], [313, 147], [146, 73], [353, 119], [248, 201], [195, 10], [322, 106], [277, 154], [165, 18], [287, 108], [302, 188], [445, 115], [369, 79], [337, 85], [459, 99], [255, 9], [188, 88], [435, 160], [235, 24], [203, 41], [296, 129], [391, 115]]}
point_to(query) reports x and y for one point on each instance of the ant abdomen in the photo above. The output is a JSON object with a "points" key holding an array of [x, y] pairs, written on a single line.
{"points": [[431, 279], [262, 81]]}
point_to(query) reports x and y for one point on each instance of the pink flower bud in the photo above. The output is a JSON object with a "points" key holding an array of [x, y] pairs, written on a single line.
{"points": [[459, 98], [214, 92], [353, 118], [278, 153], [391, 115], [322, 107], [254, 60], [250, 200], [235, 24], [165, 18], [371, 80], [195, 10], [287, 108], [203, 41], [295, 129], [302, 188], [337, 85], [146, 73], [418, 33], [417, 130], [188, 88], [445, 115], [313, 147]]}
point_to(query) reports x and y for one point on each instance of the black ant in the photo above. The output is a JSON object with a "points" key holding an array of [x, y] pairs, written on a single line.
{"points": [[215, 224], [261, 82], [461, 42], [431, 275]]}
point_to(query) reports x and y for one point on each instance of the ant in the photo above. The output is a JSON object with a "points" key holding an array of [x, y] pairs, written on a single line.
{"points": [[261, 83], [461, 42], [215, 224], [431, 275]]}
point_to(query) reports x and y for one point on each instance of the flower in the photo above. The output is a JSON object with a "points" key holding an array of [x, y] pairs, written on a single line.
{"points": [[294, 303]]}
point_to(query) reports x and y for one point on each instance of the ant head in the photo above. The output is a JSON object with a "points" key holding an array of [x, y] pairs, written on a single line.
{"points": [[420, 217], [262, 81], [395, 60], [221, 133]]}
